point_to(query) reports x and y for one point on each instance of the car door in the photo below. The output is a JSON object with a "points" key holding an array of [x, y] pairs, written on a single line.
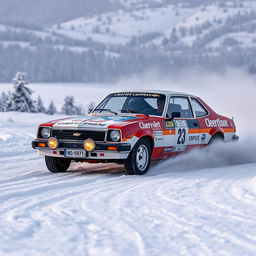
{"points": [[200, 112], [184, 127]]}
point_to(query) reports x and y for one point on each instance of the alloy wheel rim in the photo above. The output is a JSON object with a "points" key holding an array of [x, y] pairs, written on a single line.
{"points": [[142, 157]]}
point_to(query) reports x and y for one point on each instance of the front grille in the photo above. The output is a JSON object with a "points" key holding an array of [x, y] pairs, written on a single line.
{"points": [[78, 135]]}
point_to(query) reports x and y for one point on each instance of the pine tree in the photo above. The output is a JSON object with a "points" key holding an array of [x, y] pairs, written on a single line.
{"points": [[69, 107], [91, 106], [3, 101], [40, 105], [51, 109], [1, 106], [174, 38], [21, 100], [80, 110]]}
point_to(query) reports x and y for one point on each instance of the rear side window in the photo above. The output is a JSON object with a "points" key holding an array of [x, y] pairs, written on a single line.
{"points": [[199, 109]]}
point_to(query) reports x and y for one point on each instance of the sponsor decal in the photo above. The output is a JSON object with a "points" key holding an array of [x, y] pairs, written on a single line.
{"points": [[181, 123], [136, 94], [203, 137], [169, 124], [158, 133], [216, 123], [159, 138], [152, 125], [169, 149], [179, 148], [194, 138], [68, 123], [95, 124]]}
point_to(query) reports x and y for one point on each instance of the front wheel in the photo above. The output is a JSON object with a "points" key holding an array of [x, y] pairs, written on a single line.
{"points": [[138, 162], [56, 165]]}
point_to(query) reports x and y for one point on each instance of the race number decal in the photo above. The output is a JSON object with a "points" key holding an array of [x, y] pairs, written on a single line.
{"points": [[181, 136]]}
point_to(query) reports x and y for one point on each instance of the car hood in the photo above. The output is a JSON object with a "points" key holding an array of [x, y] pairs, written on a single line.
{"points": [[96, 122]]}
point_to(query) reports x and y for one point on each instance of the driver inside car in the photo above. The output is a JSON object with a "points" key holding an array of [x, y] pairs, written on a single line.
{"points": [[160, 105]]}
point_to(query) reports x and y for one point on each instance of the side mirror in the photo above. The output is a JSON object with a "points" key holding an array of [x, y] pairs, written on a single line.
{"points": [[175, 115]]}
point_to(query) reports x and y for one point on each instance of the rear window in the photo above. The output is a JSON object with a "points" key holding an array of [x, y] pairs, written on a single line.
{"points": [[198, 108]]}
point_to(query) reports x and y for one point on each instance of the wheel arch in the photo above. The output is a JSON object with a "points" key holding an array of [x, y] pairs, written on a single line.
{"points": [[219, 134], [150, 140]]}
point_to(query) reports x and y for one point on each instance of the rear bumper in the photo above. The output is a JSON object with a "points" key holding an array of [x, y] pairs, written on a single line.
{"points": [[101, 151]]}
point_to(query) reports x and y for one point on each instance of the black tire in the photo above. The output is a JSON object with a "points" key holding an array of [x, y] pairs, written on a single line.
{"points": [[55, 164], [215, 139], [138, 161]]}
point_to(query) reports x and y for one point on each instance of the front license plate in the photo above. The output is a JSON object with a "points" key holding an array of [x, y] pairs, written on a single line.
{"points": [[75, 153]]}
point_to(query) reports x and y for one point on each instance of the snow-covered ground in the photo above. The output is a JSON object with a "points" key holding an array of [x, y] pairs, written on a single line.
{"points": [[202, 203]]}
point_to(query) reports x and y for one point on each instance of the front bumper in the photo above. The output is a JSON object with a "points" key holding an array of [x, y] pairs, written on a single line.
{"points": [[101, 151]]}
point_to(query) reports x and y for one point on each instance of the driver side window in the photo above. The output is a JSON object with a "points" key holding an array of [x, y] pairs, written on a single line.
{"points": [[182, 105]]}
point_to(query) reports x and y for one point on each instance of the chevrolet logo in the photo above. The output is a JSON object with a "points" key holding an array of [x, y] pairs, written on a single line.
{"points": [[77, 134]]}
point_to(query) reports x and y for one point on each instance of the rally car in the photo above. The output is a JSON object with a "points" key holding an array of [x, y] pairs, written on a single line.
{"points": [[133, 128]]}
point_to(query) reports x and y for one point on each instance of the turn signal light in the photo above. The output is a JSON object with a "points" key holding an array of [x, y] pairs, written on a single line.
{"points": [[41, 144], [112, 148], [53, 143], [89, 145]]}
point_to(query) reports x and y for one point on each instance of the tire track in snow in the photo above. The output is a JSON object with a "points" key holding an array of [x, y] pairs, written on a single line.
{"points": [[96, 210]]}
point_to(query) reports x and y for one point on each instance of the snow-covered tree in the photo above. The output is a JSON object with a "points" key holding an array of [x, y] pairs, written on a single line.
{"points": [[174, 38], [40, 105], [1, 106], [51, 109], [80, 110], [69, 107], [91, 106], [4, 101], [21, 100]]}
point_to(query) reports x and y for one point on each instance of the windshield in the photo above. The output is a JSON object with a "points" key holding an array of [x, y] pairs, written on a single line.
{"points": [[139, 103]]}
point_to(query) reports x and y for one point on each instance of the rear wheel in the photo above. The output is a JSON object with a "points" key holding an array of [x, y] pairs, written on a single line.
{"points": [[56, 165], [215, 139], [138, 162]]}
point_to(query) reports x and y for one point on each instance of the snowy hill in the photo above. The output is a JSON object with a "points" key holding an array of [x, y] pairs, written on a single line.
{"points": [[131, 37], [46, 12], [123, 25], [157, 20]]}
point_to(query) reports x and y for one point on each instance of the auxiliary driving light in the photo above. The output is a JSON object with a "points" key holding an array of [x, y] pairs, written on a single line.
{"points": [[89, 145], [53, 143]]}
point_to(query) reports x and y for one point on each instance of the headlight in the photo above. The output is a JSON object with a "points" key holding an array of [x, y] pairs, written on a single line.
{"points": [[115, 135], [45, 132]]}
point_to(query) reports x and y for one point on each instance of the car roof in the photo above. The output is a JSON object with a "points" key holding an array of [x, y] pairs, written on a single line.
{"points": [[167, 93]]}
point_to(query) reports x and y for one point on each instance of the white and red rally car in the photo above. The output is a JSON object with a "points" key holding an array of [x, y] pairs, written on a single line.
{"points": [[133, 128]]}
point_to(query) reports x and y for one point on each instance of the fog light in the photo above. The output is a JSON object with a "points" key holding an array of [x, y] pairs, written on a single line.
{"points": [[53, 143], [89, 145]]}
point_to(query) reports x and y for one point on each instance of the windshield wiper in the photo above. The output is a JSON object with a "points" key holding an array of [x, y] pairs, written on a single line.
{"points": [[133, 111], [106, 109]]}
